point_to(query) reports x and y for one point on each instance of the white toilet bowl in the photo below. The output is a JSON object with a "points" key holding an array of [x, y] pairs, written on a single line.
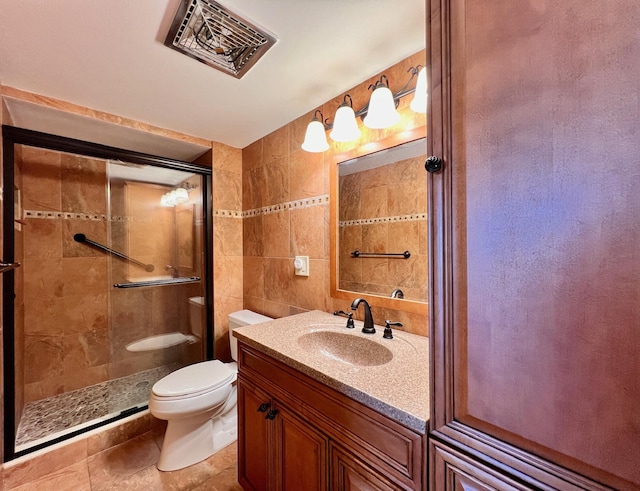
{"points": [[199, 404]]}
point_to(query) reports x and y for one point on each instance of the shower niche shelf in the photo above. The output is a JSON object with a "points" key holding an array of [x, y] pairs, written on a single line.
{"points": [[162, 282]]}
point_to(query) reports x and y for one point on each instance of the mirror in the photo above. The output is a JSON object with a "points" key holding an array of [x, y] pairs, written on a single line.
{"points": [[379, 224]]}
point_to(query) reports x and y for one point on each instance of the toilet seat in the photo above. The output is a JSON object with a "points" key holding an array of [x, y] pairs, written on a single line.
{"points": [[194, 380]]}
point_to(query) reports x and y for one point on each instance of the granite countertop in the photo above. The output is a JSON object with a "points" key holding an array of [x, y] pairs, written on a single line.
{"points": [[398, 388]]}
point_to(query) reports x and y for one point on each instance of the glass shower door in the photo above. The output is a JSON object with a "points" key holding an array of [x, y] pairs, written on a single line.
{"points": [[110, 295]]}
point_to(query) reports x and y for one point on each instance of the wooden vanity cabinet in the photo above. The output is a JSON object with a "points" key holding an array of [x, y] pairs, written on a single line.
{"points": [[534, 226], [297, 434]]}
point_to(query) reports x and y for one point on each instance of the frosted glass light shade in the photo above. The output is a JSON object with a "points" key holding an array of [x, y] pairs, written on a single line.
{"points": [[419, 102], [181, 196], [345, 126], [315, 139], [382, 110]]}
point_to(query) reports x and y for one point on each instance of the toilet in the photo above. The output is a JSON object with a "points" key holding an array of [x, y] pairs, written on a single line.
{"points": [[199, 404]]}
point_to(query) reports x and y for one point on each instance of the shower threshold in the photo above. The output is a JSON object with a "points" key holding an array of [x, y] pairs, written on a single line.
{"points": [[57, 416]]}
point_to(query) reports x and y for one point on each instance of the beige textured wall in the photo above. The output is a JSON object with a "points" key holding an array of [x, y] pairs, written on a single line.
{"points": [[277, 178]]}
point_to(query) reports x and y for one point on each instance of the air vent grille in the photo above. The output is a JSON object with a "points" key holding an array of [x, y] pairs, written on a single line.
{"points": [[208, 32]]}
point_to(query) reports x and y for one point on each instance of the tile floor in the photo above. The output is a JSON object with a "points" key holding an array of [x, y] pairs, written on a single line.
{"points": [[130, 466]]}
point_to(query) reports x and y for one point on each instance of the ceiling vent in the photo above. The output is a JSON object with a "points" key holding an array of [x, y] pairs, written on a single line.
{"points": [[210, 33]]}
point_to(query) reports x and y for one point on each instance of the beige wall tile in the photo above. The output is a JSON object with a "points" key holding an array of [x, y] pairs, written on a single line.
{"points": [[227, 236], [276, 234], [227, 190], [276, 182], [276, 145], [252, 236], [227, 277], [307, 174], [41, 189], [253, 277], [308, 232]]}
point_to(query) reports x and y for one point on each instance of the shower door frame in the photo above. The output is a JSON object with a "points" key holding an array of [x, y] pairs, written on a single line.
{"points": [[11, 136]]}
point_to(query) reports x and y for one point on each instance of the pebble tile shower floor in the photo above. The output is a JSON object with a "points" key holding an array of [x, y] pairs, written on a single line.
{"points": [[64, 412]]}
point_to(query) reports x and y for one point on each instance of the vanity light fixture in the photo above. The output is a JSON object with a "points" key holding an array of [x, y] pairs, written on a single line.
{"points": [[419, 102], [177, 196], [345, 126], [315, 139], [382, 111], [379, 113]]}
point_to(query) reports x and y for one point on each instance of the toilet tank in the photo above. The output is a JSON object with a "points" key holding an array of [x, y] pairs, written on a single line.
{"points": [[239, 319]]}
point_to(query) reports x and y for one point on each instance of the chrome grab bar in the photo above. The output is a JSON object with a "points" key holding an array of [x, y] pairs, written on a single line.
{"points": [[4, 267]]}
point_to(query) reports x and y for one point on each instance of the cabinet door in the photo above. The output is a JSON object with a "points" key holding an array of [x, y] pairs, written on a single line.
{"points": [[534, 233], [300, 453], [253, 437], [348, 473]]}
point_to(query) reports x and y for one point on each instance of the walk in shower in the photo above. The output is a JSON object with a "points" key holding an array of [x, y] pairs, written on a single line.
{"points": [[113, 289]]}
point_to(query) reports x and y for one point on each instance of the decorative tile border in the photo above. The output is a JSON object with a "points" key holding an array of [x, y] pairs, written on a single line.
{"points": [[266, 210], [69, 215], [395, 219]]}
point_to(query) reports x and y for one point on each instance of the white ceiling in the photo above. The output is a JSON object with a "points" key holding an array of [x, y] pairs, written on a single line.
{"points": [[109, 55]]}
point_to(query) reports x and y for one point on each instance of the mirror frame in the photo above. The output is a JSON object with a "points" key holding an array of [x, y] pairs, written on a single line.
{"points": [[371, 147]]}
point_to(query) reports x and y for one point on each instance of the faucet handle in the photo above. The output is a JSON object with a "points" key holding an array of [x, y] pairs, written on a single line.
{"points": [[349, 316], [388, 333]]}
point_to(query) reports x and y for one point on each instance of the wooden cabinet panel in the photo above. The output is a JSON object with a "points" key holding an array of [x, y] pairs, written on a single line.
{"points": [[348, 473], [534, 231], [456, 472], [253, 438], [302, 454]]}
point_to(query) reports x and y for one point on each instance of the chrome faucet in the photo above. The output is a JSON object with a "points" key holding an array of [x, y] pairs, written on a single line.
{"points": [[368, 318], [173, 270]]}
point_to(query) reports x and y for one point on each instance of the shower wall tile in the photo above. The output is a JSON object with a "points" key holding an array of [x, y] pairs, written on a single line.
{"points": [[45, 316], [41, 171], [45, 355], [81, 312], [82, 275], [42, 238], [84, 184], [93, 229], [43, 278]]}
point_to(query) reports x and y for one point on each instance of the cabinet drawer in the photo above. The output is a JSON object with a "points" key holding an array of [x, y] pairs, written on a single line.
{"points": [[453, 471], [388, 446]]}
